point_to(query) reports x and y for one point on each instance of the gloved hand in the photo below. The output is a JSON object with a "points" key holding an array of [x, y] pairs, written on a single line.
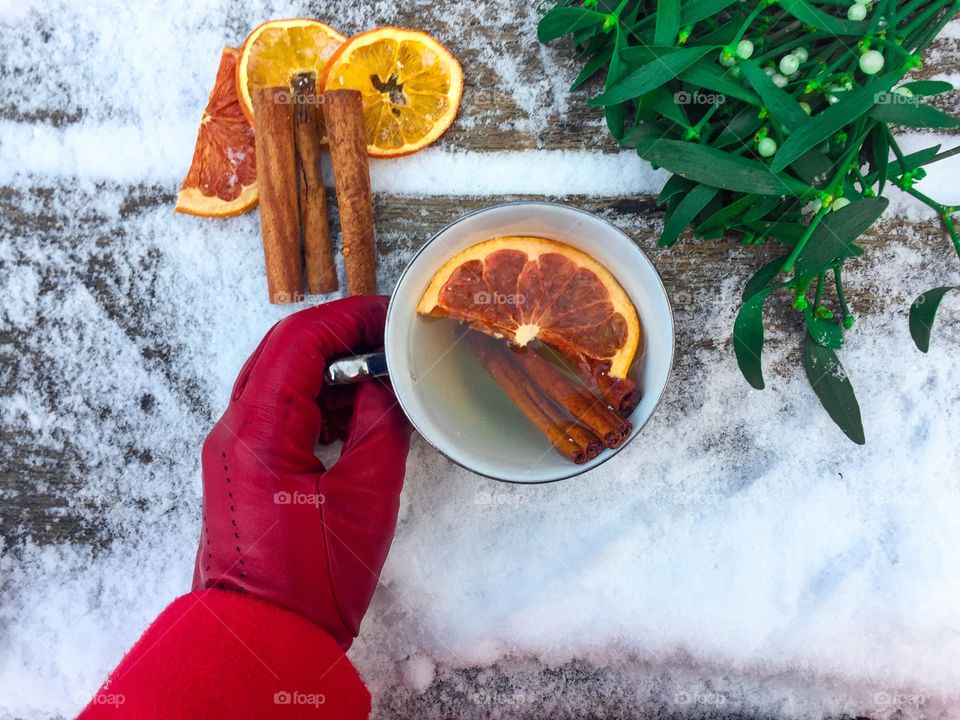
{"points": [[276, 524]]}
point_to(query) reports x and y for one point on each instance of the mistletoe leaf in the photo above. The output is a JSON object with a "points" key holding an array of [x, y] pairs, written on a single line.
{"points": [[813, 167], [668, 22], [834, 237], [785, 232], [652, 75], [895, 109], [825, 332], [663, 102], [593, 65], [725, 215], [928, 87], [748, 336], [642, 134], [830, 382], [763, 277], [916, 159], [922, 314], [742, 124], [818, 128], [683, 212], [761, 207], [880, 154], [697, 10], [719, 169], [706, 74], [616, 115], [673, 187], [713, 207], [637, 55], [565, 20], [779, 103]]}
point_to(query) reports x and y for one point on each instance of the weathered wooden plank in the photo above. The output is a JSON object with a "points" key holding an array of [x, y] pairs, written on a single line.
{"points": [[37, 485], [516, 92]]}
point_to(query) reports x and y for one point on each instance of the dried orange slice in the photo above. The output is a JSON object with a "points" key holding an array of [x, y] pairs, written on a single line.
{"points": [[523, 288], [411, 87], [222, 179], [278, 50]]}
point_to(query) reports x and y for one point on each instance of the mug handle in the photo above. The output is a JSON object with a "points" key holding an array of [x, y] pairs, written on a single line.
{"points": [[354, 369]]}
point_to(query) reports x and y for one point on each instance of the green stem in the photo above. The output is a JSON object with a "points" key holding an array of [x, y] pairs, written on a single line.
{"points": [[896, 48], [952, 229], [896, 148], [862, 180], [944, 212], [832, 69], [926, 200], [874, 21], [861, 130], [818, 296], [804, 239], [838, 281], [774, 38], [706, 116], [748, 21]]}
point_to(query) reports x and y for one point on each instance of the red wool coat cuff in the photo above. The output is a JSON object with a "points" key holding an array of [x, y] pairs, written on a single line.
{"points": [[224, 654]]}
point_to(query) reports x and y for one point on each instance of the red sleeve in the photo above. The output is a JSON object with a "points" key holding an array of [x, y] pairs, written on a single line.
{"points": [[223, 654]]}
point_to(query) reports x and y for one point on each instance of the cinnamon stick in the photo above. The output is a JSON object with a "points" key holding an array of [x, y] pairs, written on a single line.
{"points": [[573, 441], [574, 397], [343, 113], [277, 183], [314, 222], [621, 393]]}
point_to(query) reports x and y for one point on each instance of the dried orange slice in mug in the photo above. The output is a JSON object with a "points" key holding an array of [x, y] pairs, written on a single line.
{"points": [[278, 50], [411, 87], [521, 288], [222, 179]]}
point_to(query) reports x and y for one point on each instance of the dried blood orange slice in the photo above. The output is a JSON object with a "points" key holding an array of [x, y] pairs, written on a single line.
{"points": [[222, 179], [522, 288]]}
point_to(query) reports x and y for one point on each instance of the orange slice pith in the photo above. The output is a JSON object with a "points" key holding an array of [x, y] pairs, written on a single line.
{"points": [[522, 288], [222, 179], [411, 87], [278, 50]]}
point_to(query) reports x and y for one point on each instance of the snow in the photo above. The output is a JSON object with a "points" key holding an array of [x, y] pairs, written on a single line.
{"points": [[741, 555]]}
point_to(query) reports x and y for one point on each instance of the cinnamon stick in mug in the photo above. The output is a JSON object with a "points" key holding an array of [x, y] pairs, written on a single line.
{"points": [[343, 113], [277, 183], [575, 442], [314, 222], [572, 396], [621, 393]]}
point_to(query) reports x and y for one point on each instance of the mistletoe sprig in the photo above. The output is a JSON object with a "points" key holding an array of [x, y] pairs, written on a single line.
{"points": [[774, 117]]}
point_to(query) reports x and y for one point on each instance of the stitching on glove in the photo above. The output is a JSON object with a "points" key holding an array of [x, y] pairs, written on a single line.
{"points": [[233, 510]]}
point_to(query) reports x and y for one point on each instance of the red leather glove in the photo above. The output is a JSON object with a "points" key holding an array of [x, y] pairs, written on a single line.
{"points": [[276, 524]]}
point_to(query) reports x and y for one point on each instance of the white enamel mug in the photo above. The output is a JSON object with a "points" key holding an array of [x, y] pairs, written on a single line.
{"points": [[448, 396]]}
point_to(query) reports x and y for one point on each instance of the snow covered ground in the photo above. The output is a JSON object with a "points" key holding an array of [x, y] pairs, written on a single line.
{"points": [[740, 556]]}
